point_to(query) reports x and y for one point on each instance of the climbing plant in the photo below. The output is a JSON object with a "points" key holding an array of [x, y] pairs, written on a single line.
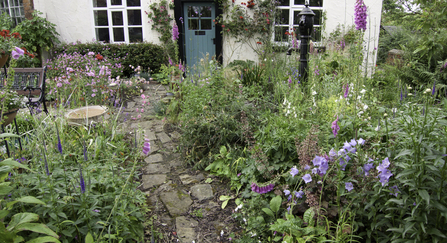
{"points": [[161, 22]]}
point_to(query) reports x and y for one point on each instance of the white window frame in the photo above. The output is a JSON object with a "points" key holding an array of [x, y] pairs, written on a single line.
{"points": [[13, 8], [292, 8], [118, 8]]}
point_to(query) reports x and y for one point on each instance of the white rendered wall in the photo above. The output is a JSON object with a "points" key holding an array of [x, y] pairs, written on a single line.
{"points": [[74, 22], [74, 19]]}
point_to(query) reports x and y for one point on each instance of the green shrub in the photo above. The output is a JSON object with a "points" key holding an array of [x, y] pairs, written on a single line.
{"points": [[146, 55]]}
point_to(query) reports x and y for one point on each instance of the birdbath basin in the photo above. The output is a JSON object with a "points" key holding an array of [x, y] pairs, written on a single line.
{"points": [[84, 115]]}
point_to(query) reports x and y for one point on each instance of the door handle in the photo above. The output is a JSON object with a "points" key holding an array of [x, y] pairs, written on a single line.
{"points": [[214, 40]]}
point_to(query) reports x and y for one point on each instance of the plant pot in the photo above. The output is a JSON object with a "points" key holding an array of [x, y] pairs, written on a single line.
{"points": [[10, 115], [3, 60]]}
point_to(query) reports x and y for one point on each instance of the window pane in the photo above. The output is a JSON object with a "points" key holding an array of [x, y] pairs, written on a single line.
{"points": [[117, 18], [99, 3], [133, 3], [317, 17], [118, 34], [284, 3], [135, 35], [101, 18], [134, 17], [116, 2], [283, 17], [193, 24], [206, 11], [193, 11], [102, 35], [280, 33], [205, 24], [312, 3]]}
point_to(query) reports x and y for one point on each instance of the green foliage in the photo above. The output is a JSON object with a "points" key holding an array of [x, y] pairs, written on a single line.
{"points": [[20, 221], [148, 56], [38, 34]]}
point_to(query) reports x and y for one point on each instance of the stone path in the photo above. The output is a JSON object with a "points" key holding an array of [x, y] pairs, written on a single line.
{"points": [[176, 194]]}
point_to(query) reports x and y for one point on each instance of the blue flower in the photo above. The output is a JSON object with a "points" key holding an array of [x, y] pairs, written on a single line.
{"points": [[367, 168], [394, 190], [294, 171], [299, 194], [349, 186], [307, 178], [59, 144], [361, 141], [81, 180], [286, 192]]}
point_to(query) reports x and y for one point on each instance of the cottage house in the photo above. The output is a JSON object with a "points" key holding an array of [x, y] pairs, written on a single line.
{"points": [[126, 21]]}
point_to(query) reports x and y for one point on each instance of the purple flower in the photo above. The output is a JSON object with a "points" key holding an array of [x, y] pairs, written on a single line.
{"points": [[299, 194], [361, 141], [317, 160], [59, 144], [335, 128], [170, 62], [349, 186], [181, 19], [324, 166], [286, 192], [384, 165], [175, 32], [17, 53], [360, 15], [434, 88], [294, 171], [394, 190], [367, 168], [147, 147], [385, 176], [262, 190], [332, 154], [353, 142], [346, 88], [307, 178], [307, 167], [81, 180]]}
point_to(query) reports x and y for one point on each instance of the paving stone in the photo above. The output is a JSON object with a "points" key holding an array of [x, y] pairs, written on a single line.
{"points": [[175, 163], [156, 168], [202, 192], [150, 135], [146, 124], [187, 179], [155, 158], [183, 222], [200, 177], [153, 180], [130, 105], [176, 202], [164, 138], [185, 234], [175, 135]]}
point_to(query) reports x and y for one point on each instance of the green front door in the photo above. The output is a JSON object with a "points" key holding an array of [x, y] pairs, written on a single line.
{"points": [[200, 31]]}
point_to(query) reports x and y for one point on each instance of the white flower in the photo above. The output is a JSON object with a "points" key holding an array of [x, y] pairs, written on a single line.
{"points": [[385, 115], [238, 207], [427, 91], [363, 91], [365, 107], [394, 109], [409, 87], [377, 128], [221, 233], [314, 92]]}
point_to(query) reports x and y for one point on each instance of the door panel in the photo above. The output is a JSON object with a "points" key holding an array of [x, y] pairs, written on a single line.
{"points": [[200, 31]]}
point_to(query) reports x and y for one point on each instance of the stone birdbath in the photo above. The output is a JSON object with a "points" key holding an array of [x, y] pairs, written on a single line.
{"points": [[85, 115]]}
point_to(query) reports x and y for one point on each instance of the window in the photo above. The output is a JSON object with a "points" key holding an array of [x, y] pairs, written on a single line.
{"points": [[118, 21], [287, 20], [13, 8]]}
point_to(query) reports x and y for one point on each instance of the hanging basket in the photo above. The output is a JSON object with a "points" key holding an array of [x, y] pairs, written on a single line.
{"points": [[8, 116], [3, 60]]}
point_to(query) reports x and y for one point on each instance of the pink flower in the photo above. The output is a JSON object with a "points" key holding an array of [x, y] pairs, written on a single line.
{"points": [[335, 128], [93, 95], [139, 116], [142, 110]]}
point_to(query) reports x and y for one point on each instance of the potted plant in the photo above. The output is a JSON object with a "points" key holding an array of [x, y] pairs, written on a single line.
{"points": [[7, 42], [10, 101]]}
